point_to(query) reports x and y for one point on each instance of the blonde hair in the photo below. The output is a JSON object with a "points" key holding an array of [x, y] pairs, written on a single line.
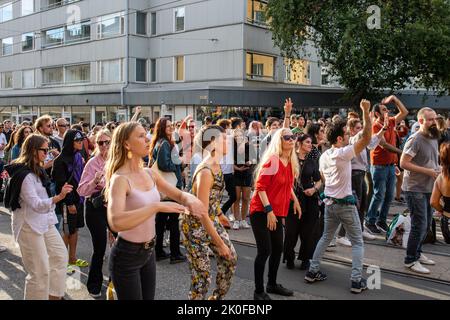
{"points": [[275, 148], [102, 132], [118, 153]]}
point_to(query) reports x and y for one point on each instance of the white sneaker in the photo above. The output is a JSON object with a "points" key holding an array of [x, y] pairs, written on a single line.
{"points": [[231, 217], [235, 225], [244, 225], [417, 267], [343, 241], [2, 249], [368, 236], [424, 260]]}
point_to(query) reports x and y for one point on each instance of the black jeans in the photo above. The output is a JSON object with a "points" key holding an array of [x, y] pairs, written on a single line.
{"points": [[360, 189], [97, 224], [133, 271], [231, 190], [169, 220], [269, 244]]}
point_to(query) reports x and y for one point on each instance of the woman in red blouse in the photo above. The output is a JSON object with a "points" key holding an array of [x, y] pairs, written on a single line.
{"points": [[270, 204]]}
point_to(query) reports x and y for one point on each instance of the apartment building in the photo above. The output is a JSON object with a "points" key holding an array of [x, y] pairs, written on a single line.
{"points": [[93, 60]]}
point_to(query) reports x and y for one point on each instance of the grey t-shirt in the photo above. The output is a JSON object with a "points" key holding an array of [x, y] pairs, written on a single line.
{"points": [[424, 153]]}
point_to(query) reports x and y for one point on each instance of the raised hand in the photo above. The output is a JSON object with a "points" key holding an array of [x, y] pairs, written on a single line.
{"points": [[389, 99], [288, 104], [365, 106]]}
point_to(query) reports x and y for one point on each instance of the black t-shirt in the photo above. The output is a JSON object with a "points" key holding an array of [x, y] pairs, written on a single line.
{"points": [[309, 175]]}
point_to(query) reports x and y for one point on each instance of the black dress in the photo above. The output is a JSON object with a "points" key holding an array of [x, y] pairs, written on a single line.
{"points": [[308, 226]]}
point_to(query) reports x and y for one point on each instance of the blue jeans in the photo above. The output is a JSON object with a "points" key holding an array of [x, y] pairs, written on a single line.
{"points": [[383, 192], [348, 216], [421, 215]]}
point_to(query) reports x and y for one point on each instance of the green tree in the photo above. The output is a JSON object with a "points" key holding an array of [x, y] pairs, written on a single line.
{"points": [[411, 47]]}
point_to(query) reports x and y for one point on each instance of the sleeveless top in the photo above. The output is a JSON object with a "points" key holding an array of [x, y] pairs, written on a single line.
{"points": [[215, 198], [137, 199]]}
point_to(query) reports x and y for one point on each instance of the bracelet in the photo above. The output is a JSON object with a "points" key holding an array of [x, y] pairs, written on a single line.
{"points": [[268, 208]]}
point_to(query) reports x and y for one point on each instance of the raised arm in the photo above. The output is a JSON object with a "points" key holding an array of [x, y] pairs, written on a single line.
{"points": [[366, 136], [403, 112], [287, 113]]}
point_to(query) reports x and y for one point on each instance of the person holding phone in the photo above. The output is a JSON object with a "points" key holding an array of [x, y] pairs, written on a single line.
{"points": [[44, 255]]}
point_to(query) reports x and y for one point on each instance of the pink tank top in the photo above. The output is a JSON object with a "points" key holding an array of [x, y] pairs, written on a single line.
{"points": [[137, 199]]}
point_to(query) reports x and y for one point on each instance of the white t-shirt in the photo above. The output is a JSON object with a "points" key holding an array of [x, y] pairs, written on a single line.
{"points": [[335, 165], [227, 162], [4, 142]]}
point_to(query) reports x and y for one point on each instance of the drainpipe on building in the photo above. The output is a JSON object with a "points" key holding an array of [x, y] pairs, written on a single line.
{"points": [[127, 53]]}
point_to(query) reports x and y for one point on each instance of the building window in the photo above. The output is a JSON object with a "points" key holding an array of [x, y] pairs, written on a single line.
{"points": [[141, 23], [51, 76], [260, 66], [28, 79], [179, 68], [179, 19], [152, 70], [49, 4], [53, 37], [7, 46], [141, 70], [7, 80], [6, 12], [255, 11], [325, 76], [111, 25], [297, 71], [110, 71], [27, 41], [78, 73], [78, 32], [27, 7], [153, 23]]}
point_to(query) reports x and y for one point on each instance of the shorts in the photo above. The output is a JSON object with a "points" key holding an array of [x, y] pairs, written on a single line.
{"points": [[243, 180], [74, 221]]}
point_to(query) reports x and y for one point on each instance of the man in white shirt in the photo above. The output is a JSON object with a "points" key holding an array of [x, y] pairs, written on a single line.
{"points": [[336, 169]]}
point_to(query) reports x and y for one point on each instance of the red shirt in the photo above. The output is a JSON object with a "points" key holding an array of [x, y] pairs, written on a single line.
{"points": [[277, 181], [380, 156]]}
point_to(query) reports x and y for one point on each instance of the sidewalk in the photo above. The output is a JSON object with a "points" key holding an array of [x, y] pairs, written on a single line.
{"points": [[379, 253]]}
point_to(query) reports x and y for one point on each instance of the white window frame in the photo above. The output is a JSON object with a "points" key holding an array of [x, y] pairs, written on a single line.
{"points": [[76, 65], [81, 40], [175, 20], [175, 69], [2, 75], [21, 8], [22, 41], [122, 22], [44, 45], [45, 84], [12, 47], [155, 19], [34, 79], [146, 71], [153, 69], [99, 71], [146, 23], [1, 11]]}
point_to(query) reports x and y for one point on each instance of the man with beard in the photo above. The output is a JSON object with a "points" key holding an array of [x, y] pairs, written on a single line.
{"points": [[420, 161], [383, 160]]}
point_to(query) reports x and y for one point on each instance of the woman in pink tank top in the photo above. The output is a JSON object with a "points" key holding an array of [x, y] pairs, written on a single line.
{"points": [[133, 199]]}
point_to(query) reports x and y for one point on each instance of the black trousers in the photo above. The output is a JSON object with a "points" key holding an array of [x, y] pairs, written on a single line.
{"points": [[269, 245], [169, 220], [307, 229], [97, 224], [231, 190], [133, 271]]}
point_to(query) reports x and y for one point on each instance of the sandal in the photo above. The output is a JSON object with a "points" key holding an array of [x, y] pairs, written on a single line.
{"points": [[81, 263], [70, 269]]}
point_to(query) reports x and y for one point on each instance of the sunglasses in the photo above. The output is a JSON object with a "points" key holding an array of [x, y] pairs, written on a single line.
{"points": [[191, 127], [62, 125], [45, 150], [289, 137], [105, 142]]}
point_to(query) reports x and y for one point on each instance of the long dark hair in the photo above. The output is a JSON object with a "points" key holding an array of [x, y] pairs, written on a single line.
{"points": [[445, 159], [28, 153], [12, 141], [21, 135], [160, 133], [312, 130]]}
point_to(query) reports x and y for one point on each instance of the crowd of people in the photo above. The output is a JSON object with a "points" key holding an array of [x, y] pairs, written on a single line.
{"points": [[320, 181]]}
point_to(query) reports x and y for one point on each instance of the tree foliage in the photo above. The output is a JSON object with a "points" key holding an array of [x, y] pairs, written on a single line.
{"points": [[411, 47]]}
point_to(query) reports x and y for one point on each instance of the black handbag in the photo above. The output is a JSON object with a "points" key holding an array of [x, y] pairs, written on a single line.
{"points": [[98, 200]]}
